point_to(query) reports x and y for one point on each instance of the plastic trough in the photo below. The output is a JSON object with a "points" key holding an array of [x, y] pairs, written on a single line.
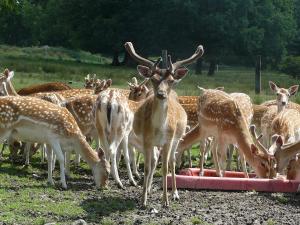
{"points": [[232, 181]]}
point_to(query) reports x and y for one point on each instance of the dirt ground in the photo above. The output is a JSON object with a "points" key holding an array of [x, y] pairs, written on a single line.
{"points": [[209, 207]]}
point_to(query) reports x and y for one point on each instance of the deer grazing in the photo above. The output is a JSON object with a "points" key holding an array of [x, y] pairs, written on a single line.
{"points": [[160, 121], [113, 120], [34, 120], [221, 117]]}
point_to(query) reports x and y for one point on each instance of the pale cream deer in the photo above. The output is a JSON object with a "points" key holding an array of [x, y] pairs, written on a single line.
{"points": [[282, 101]]}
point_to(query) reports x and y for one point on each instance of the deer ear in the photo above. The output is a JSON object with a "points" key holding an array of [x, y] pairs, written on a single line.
{"points": [[274, 138], [273, 86], [220, 88], [180, 73], [108, 83], [254, 150], [293, 89], [279, 141], [144, 71], [101, 154]]}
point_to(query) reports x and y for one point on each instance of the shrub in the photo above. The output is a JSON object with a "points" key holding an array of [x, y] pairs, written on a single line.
{"points": [[291, 66]]}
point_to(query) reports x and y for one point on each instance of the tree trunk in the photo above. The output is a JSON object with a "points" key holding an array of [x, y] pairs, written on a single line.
{"points": [[127, 61], [212, 67], [199, 66], [115, 61]]}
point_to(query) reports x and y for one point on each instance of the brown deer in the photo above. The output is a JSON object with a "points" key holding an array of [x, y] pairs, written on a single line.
{"points": [[46, 87], [34, 120], [221, 117], [160, 121]]}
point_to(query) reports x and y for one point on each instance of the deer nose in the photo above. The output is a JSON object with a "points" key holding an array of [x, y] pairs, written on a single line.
{"points": [[161, 94], [283, 103]]}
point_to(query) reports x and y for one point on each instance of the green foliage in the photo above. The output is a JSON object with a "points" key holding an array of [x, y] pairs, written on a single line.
{"points": [[241, 28], [291, 65]]}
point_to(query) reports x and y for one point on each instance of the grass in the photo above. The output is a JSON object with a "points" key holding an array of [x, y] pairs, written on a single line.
{"points": [[25, 197], [37, 65]]}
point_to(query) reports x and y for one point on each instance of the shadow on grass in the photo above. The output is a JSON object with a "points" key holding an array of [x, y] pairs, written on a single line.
{"points": [[97, 208]]}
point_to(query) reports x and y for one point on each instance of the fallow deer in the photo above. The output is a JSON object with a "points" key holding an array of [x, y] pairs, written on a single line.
{"points": [[46, 87], [282, 101], [34, 120], [221, 117], [160, 121], [113, 120]]}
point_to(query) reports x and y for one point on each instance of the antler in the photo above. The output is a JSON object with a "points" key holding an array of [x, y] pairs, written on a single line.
{"points": [[198, 53], [256, 138], [144, 82], [130, 49]]}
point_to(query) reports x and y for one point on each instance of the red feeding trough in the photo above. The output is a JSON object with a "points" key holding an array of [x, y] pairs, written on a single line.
{"points": [[232, 181]]}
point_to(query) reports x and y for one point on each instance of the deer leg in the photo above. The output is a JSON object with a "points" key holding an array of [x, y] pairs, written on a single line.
{"points": [[114, 167], [154, 160], [173, 164], [133, 162], [27, 153], [203, 151], [124, 144], [222, 150], [216, 157], [50, 163], [243, 163], [165, 161], [60, 157], [230, 155], [43, 152], [67, 159], [147, 168]]}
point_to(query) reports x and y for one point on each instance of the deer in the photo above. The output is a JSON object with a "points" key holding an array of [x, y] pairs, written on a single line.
{"points": [[46, 87], [81, 107], [34, 120], [221, 117], [113, 121], [293, 170], [160, 121], [282, 101]]}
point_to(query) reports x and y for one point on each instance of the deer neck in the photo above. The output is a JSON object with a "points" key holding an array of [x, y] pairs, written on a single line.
{"points": [[280, 108], [288, 152], [190, 138], [159, 112], [10, 88], [244, 141], [87, 153]]}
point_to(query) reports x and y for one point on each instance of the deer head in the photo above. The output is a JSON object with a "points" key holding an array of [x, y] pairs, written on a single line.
{"points": [[162, 79], [101, 85], [138, 91], [283, 94], [263, 156]]}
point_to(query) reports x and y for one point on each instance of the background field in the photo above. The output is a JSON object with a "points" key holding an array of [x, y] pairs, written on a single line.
{"points": [[40, 64]]}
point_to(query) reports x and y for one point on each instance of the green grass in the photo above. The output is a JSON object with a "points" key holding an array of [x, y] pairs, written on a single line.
{"points": [[25, 197], [33, 65]]}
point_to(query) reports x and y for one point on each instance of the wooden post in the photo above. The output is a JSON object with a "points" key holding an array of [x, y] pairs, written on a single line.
{"points": [[164, 55], [258, 75]]}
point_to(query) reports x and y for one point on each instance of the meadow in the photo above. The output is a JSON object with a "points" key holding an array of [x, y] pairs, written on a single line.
{"points": [[43, 64], [25, 197]]}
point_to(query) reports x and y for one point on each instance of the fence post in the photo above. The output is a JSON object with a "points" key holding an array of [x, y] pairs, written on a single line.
{"points": [[258, 75]]}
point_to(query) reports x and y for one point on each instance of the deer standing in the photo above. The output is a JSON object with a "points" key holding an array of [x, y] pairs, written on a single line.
{"points": [[282, 101], [160, 121]]}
